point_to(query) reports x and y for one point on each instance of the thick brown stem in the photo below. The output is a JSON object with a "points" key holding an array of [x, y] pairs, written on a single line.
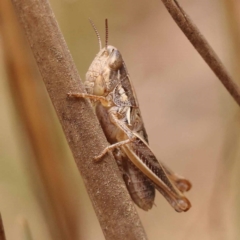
{"points": [[202, 46], [114, 209]]}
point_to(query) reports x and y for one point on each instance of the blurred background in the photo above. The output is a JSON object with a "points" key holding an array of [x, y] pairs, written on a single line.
{"points": [[192, 121]]}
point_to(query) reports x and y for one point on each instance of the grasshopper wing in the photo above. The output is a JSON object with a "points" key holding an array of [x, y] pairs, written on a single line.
{"points": [[127, 85], [140, 188]]}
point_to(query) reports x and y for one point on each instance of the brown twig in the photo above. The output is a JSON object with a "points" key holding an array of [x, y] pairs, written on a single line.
{"points": [[202, 46], [114, 209], [2, 232]]}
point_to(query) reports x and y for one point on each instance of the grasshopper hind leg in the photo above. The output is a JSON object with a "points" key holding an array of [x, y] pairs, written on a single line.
{"points": [[140, 188]]}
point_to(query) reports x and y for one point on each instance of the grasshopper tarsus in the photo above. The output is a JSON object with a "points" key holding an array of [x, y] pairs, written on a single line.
{"points": [[98, 158]]}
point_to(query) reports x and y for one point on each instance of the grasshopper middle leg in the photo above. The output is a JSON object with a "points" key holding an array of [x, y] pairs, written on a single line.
{"points": [[111, 147]]}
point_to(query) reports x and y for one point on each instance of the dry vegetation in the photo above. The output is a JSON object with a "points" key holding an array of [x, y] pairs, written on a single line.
{"points": [[191, 119]]}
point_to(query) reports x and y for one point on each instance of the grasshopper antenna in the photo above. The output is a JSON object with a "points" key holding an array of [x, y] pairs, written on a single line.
{"points": [[106, 26], [95, 30]]}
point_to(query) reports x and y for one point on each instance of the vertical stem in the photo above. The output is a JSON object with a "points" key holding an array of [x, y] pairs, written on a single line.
{"points": [[115, 211]]}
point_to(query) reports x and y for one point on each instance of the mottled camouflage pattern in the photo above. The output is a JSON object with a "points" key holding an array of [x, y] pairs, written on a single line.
{"points": [[120, 118]]}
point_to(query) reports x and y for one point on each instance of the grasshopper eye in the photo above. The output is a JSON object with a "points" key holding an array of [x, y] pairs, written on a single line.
{"points": [[115, 60], [106, 53]]}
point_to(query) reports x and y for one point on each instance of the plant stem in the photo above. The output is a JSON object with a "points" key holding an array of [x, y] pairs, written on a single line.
{"points": [[115, 211], [202, 46]]}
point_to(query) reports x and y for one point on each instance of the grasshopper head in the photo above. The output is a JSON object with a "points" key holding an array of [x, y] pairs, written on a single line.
{"points": [[103, 74]]}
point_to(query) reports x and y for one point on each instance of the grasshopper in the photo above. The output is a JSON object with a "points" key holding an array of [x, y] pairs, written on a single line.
{"points": [[111, 92]]}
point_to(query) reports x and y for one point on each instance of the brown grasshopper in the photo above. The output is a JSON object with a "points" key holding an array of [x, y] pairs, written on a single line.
{"points": [[109, 87]]}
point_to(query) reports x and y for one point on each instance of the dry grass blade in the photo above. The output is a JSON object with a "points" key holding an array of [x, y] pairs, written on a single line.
{"points": [[114, 209], [202, 46]]}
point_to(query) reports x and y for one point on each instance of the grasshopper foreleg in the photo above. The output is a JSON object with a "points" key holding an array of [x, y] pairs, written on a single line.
{"points": [[101, 99]]}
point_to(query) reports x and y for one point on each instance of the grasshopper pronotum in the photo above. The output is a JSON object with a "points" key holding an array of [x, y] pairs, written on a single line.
{"points": [[109, 87]]}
